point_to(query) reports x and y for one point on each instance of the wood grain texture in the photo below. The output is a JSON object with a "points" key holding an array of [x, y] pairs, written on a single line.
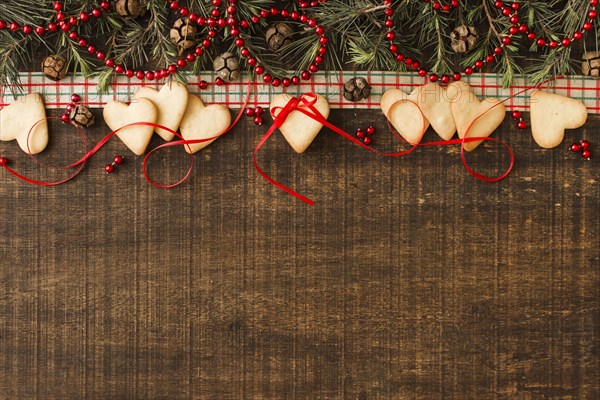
{"points": [[409, 279]]}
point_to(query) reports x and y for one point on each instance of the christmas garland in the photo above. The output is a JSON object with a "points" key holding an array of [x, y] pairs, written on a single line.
{"points": [[235, 26], [411, 114]]}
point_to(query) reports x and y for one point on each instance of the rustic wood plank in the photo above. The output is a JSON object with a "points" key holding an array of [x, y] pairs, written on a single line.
{"points": [[408, 279]]}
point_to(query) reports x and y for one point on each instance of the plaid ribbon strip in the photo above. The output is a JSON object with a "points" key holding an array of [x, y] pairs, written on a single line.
{"points": [[328, 84]]}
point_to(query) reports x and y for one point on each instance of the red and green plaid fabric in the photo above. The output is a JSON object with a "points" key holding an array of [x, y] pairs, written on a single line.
{"points": [[328, 84]]}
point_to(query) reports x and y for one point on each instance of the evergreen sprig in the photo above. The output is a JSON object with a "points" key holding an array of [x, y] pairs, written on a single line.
{"points": [[354, 28]]}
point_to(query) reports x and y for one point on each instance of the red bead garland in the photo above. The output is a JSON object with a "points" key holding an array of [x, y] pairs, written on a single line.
{"points": [[508, 9], [212, 23], [252, 61], [216, 21]]}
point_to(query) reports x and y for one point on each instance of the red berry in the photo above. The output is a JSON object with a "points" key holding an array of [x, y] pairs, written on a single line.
{"points": [[516, 114], [75, 98], [3, 161], [575, 147], [118, 160], [370, 130], [360, 134], [109, 168], [521, 125], [258, 120], [586, 154], [367, 140], [65, 118], [258, 110], [584, 144], [203, 85]]}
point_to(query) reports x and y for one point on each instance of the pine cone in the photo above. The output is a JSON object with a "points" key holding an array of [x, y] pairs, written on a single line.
{"points": [[183, 34], [54, 67], [227, 66], [82, 117], [130, 8], [279, 35], [463, 38], [357, 89], [590, 65]]}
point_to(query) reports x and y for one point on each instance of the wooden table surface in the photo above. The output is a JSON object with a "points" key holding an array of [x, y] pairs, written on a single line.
{"points": [[409, 279]]}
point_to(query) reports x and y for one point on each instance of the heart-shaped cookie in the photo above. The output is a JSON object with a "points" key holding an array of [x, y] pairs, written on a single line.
{"points": [[203, 122], [479, 118], [551, 114], [434, 103], [171, 102], [407, 118], [299, 129], [17, 119], [118, 114]]}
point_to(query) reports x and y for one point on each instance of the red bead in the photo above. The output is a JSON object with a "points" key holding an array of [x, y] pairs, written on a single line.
{"points": [[249, 112], [203, 85], [367, 140], [521, 125], [584, 144], [370, 130], [118, 160], [150, 75], [516, 114], [140, 75], [57, 6], [109, 168], [70, 107], [40, 31], [360, 134], [575, 147], [129, 73], [258, 120], [3, 161], [586, 154], [65, 118], [219, 82]]}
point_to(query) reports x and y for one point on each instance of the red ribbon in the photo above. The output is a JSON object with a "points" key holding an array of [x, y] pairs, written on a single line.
{"points": [[305, 104], [80, 164]]}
